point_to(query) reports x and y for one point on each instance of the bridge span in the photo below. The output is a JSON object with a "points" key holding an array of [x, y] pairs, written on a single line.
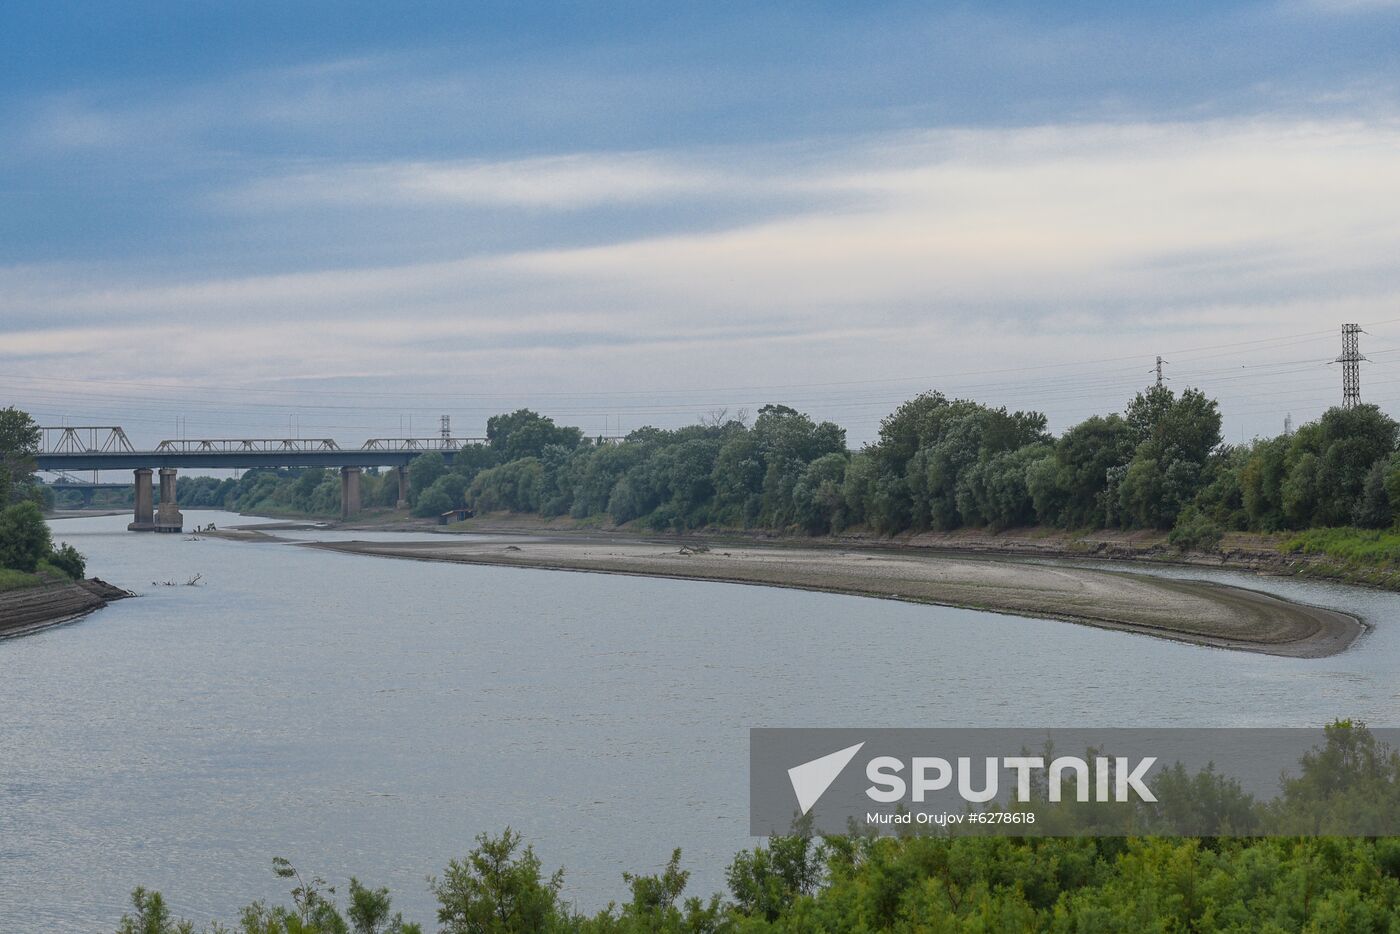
{"points": [[107, 447]]}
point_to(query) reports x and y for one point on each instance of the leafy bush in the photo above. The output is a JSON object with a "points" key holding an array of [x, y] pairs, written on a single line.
{"points": [[433, 502], [68, 560], [1195, 532], [24, 537], [445, 493]]}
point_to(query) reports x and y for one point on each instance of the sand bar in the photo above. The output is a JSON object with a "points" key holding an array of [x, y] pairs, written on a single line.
{"points": [[1199, 612]]}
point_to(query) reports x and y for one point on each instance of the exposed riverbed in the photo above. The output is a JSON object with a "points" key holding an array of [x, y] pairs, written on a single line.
{"points": [[370, 716], [1201, 612]]}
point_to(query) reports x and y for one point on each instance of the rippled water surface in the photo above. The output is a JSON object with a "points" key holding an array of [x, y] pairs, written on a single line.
{"points": [[370, 716]]}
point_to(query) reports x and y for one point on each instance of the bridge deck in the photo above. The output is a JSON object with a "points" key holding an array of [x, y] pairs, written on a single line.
{"points": [[227, 460]]}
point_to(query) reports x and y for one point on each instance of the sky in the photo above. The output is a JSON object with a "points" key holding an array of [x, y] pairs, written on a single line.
{"points": [[345, 220]]}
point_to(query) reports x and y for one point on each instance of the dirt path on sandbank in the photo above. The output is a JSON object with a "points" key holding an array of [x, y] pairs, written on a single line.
{"points": [[1199, 612]]}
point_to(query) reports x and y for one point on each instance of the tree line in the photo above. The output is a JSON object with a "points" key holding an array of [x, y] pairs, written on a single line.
{"points": [[937, 464]]}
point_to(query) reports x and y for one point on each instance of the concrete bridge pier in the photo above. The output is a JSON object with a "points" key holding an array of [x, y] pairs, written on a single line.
{"points": [[168, 516], [403, 488], [142, 521], [349, 492]]}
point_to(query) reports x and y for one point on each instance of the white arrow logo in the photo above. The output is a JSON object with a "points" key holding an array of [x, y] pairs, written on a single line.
{"points": [[810, 780]]}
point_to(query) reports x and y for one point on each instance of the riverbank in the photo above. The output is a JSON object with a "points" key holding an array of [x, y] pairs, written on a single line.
{"points": [[85, 513], [29, 609], [1190, 611]]}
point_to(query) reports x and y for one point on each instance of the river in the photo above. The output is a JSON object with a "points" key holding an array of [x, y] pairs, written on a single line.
{"points": [[370, 716]]}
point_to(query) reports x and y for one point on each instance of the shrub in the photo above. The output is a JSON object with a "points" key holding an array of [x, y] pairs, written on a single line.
{"points": [[69, 560], [433, 502], [24, 537], [1195, 532]]}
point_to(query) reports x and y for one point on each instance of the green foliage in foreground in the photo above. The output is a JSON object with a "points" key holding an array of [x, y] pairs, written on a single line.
{"points": [[908, 884], [925, 882]]}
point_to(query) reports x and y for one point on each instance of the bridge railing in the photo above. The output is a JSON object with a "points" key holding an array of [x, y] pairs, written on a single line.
{"points": [[109, 439], [83, 439], [236, 445], [420, 444]]}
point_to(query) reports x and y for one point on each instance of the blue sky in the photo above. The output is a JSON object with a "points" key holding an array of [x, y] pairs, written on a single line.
{"points": [[338, 216]]}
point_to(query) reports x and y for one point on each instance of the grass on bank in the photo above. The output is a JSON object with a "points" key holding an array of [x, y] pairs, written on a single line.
{"points": [[16, 580], [1360, 546], [45, 573]]}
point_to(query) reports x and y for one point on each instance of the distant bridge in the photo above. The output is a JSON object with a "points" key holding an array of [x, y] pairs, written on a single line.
{"points": [[86, 488], [107, 447]]}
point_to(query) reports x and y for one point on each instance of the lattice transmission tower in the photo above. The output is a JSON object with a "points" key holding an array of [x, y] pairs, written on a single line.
{"points": [[1351, 359], [1160, 377]]}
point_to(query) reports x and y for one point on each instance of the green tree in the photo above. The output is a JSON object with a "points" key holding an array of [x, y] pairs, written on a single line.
{"points": [[818, 501], [738, 480], [423, 471], [1195, 531], [434, 502], [513, 486], [1373, 509], [151, 916], [767, 881], [68, 560], [1261, 483], [368, 912], [656, 908], [1073, 495], [498, 889], [524, 433], [1174, 439], [19, 442], [603, 468], [24, 537], [449, 489]]}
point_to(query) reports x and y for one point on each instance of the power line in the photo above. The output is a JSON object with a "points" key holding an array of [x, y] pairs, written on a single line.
{"points": [[212, 387]]}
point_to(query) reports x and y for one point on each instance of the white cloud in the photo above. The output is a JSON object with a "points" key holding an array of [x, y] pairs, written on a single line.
{"points": [[913, 254], [557, 182]]}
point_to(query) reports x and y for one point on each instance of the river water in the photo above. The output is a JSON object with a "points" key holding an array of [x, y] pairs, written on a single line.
{"points": [[370, 716]]}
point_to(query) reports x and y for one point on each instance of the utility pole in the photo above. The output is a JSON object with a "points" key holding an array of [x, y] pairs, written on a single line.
{"points": [[1160, 377], [1288, 424], [1351, 365]]}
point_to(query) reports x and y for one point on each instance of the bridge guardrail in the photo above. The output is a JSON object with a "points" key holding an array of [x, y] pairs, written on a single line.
{"points": [[420, 444], [235, 445], [68, 439]]}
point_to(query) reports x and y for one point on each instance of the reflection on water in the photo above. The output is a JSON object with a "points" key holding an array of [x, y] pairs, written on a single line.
{"points": [[370, 716]]}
